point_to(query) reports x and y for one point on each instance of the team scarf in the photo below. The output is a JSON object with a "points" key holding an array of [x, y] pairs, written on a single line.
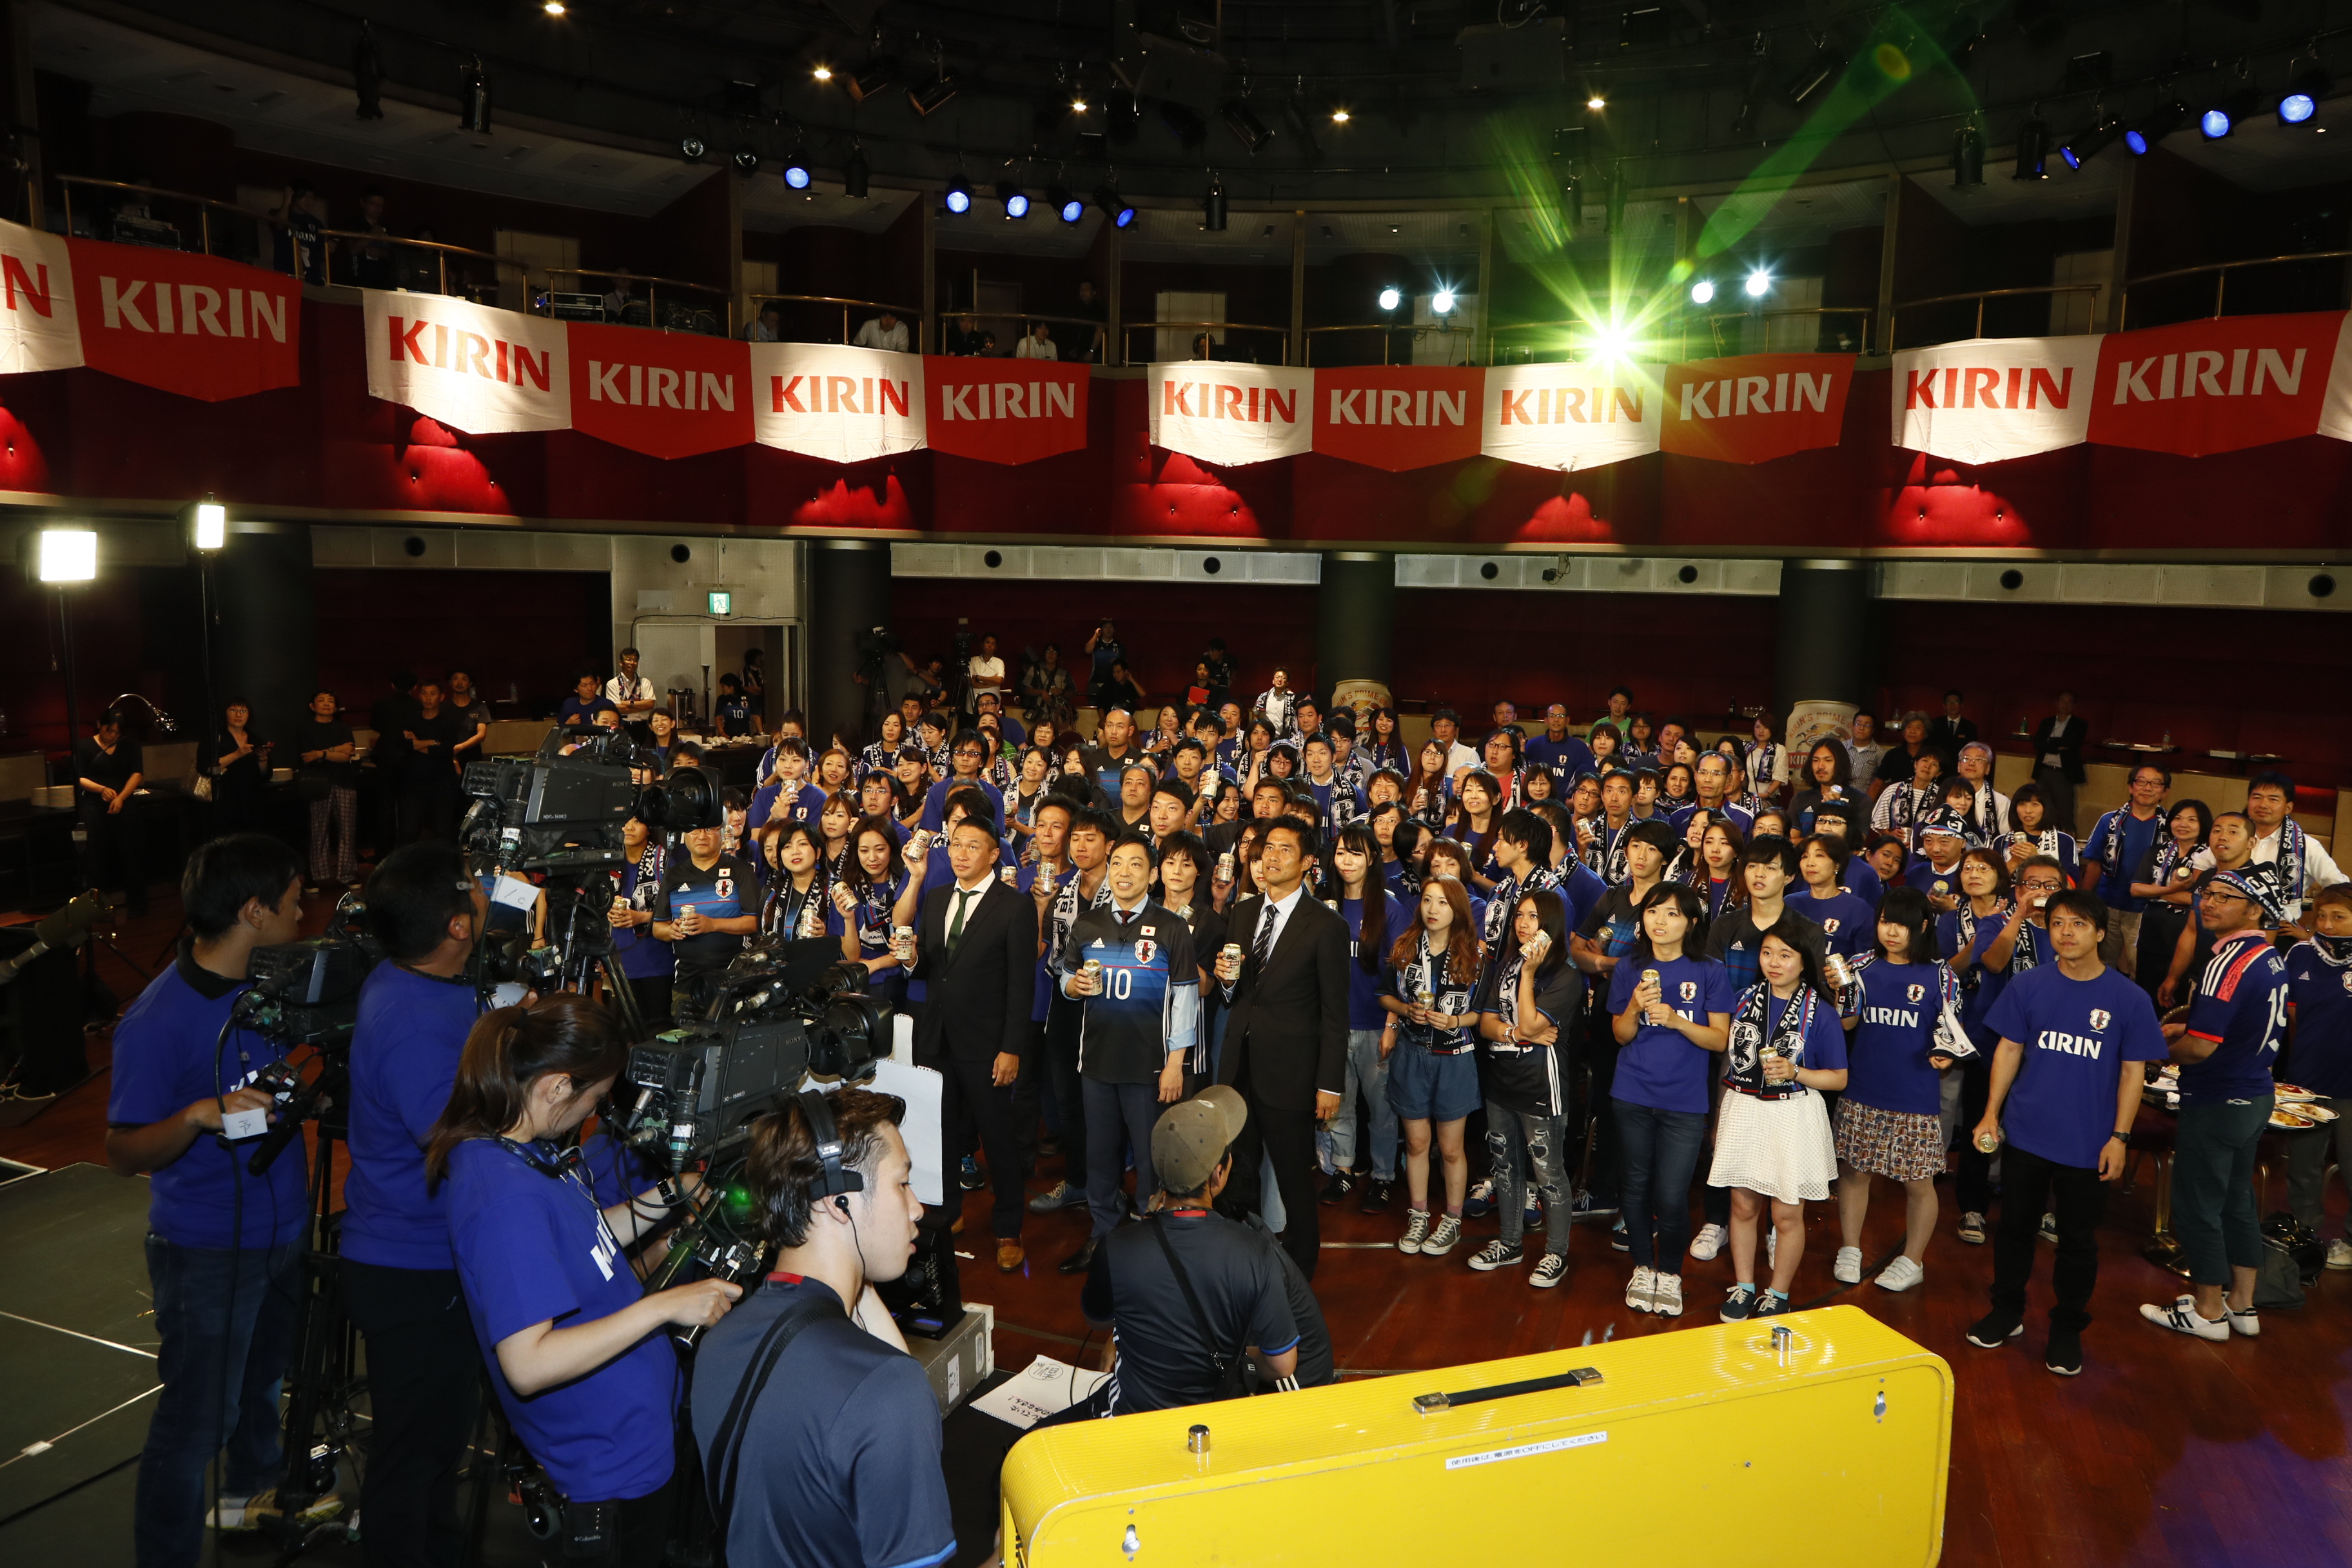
{"points": [[1606, 858], [1065, 914], [1744, 1065], [1433, 973], [2334, 950], [2291, 856], [2111, 852], [2169, 858], [652, 860], [1984, 815], [1503, 903], [1967, 920], [1385, 755], [1904, 804], [875, 902], [875, 759], [2046, 842], [788, 908], [1946, 1037], [1763, 761]]}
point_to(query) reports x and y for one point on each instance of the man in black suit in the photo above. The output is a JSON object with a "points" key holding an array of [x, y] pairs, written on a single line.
{"points": [[1947, 732], [2058, 764], [1286, 1030], [976, 951]]}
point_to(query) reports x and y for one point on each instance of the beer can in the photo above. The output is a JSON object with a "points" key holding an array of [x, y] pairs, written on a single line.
{"points": [[813, 918], [1988, 1143], [1009, 875], [686, 912], [1092, 969], [1233, 950], [1650, 977], [902, 940], [1837, 971], [1225, 865], [922, 841]]}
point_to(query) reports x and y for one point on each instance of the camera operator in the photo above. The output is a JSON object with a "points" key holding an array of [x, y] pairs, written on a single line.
{"points": [[820, 1441], [576, 1352], [400, 1287], [224, 1247], [709, 904]]}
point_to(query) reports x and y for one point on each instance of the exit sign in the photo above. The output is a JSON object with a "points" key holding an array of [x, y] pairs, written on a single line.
{"points": [[722, 604]]}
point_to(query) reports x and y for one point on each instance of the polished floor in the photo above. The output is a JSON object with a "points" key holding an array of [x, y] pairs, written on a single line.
{"points": [[2166, 1451]]}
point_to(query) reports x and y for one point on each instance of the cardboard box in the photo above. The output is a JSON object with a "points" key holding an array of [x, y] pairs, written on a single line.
{"points": [[959, 1363]]}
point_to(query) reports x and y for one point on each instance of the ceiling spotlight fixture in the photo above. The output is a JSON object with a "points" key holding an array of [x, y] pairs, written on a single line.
{"points": [[1758, 284], [2220, 118], [367, 76], [1066, 208], [875, 75], [1571, 204], [2080, 150], [1115, 208], [796, 171], [959, 195], [1247, 128], [2168, 116], [1213, 206], [1016, 201], [1391, 298], [474, 99], [854, 174], [1595, 102], [1814, 76], [1967, 155], [823, 72], [1441, 302], [2303, 92], [552, 7], [932, 95], [746, 160], [690, 147], [1703, 292], [1079, 104], [2214, 124], [2033, 149], [1339, 117]]}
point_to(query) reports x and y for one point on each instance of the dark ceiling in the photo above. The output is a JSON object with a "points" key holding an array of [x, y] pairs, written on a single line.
{"points": [[1444, 100]]}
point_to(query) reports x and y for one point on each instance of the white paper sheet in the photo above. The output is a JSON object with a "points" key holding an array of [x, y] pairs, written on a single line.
{"points": [[921, 1089], [1046, 1388]]}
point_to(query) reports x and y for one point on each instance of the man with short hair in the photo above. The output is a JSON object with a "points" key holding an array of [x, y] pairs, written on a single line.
{"points": [[2122, 849], [1445, 729], [1948, 732], [709, 906], [1988, 807], [629, 692], [2305, 867], [1866, 750], [985, 672], [2071, 1033], [1557, 751], [966, 759], [805, 1407], [885, 331], [1336, 805], [2058, 761], [1619, 708], [1172, 809], [224, 1245], [1713, 781], [1115, 747], [1084, 887], [1278, 705]]}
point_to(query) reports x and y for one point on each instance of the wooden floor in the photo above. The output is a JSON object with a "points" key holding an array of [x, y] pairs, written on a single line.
{"points": [[2166, 1451]]}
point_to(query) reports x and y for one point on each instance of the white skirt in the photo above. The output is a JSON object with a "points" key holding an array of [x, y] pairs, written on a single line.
{"points": [[1780, 1148]]}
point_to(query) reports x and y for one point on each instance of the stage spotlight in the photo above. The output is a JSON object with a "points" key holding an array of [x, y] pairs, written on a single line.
{"points": [[1758, 284], [1116, 207], [854, 174], [2082, 148], [1441, 302], [796, 171], [2033, 150], [2303, 92], [1213, 207], [959, 195], [1703, 292], [1391, 298], [1016, 202], [2154, 127], [1968, 156], [746, 160], [1066, 208], [474, 99], [691, 148], [932, 96]]}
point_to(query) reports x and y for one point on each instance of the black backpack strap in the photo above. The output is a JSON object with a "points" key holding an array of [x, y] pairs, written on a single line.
{"points": [[726, 1456], [1228, 1366]]}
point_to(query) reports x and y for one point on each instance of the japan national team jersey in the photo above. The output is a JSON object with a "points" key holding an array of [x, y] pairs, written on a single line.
{"points": [[2240, 1005], [727, 890], [2320, 987], [1149, 1003], [2079, 1036]]}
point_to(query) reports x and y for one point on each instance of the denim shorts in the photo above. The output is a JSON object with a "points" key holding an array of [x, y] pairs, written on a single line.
{"points": [[1426, 1087]]}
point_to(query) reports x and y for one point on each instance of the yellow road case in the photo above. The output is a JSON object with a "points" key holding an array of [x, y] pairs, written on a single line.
{"points": [[1701, 1447]]}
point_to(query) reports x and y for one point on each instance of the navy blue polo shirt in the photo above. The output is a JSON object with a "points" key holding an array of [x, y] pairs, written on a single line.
{"points": [[412, 1030], [580, 712], [168, 1053]]}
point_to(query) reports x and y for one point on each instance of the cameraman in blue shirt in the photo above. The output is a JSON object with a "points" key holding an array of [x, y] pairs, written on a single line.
{"points": [[224, 1245], [400, 1284]]}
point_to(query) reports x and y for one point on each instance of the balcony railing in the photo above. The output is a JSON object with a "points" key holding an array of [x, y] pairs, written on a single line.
{"points": [[1980, 296], [2220, 271], [1127, 329], [704, 308], [1388, 330], [911, 314]]}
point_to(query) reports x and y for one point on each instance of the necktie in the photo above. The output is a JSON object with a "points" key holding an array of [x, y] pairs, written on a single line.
{"points": [[1263, 948], [955, 926]]}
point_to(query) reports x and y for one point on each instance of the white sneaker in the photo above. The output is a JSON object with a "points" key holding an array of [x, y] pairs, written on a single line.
{"points": [[1642, 1290], [234, 1514], [2248, 1323], [1708, 1243], [1443, 1236], [1416, 1231], [1669, 1296], [1847, 1267], [2182, 1318], [1900, 1275], [2339, 1255]]}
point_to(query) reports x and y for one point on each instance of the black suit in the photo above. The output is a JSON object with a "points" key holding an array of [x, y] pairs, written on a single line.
{"points": [[1948, 735], [1286, 1040], [2058, 783], [976, 1007]]}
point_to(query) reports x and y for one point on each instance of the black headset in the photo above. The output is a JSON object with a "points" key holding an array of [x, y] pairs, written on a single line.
{"points": [[834, 1180]]}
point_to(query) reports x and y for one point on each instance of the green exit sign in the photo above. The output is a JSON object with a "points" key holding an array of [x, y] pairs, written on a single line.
{"points": [[722, 604]]}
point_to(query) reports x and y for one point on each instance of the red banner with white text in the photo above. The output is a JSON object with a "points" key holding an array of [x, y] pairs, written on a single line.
{"points": [[2215, 385], [1753, 408], [667, 394], [1399, 416], [195, 325], [1004, 410]]}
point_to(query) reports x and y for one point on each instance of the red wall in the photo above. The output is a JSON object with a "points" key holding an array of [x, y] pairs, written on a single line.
{"points": [[528, 633]]}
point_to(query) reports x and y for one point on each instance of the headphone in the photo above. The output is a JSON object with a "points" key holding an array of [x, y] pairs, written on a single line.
{"points": [[835, 1180]]}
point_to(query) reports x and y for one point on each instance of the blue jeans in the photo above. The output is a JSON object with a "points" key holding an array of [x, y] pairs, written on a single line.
{"points": [[212, 1344], [1658, 1154], [1337, 1142], [1117, 1113]]}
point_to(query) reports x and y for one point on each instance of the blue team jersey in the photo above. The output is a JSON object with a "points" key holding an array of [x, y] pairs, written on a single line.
{"points": [[2240, 1004], [1431, 979], [2080, 1036], [1148, 1005], [1661, 1068], [1364, 1010], [2124, 848], [728, 889], [1943, 884], [2319, 989], [1849, 926], [1895, 1030]]}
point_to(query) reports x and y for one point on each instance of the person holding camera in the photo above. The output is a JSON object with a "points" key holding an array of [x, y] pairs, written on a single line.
{"points": [[819, 1435], [400, 1286], [576, 1352], [224, 1245]]}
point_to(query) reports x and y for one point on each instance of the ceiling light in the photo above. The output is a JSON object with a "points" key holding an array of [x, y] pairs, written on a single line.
{"points": [[2295, 108], [2033, 150], [1596, 103], [1967, 155], [822, 73], [552, 7], [1703, 292], [1391, 298], [2082, 148], [2160, 122], [854, 174], [796, 171], [1339, 117], [932, 95], [208, 525], [1758, 284], [746, 160], [690, 147], [1813, 75], [474, 99], [2219, 119], [1066, 208], [2303, 92], [1247, 128], [1571, 204], [875, 75], [1078, 106], [959, 197], [67, 555], [1441, 302], [1016, 202], [1113, 205], [2214, 124], [1213, 207]]}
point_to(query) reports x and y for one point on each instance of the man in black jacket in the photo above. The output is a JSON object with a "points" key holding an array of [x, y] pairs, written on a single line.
{"points": [[976, 950], [2058, 764], [1287, 1033]]}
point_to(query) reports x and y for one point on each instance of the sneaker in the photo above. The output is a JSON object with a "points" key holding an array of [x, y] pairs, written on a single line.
{"points": [[1496, 1254], [2064, 1355], [1847, 1267], [1900, 1275], [1443, 1236], [1531, 1216], [1669, 1295], [234, 1515], [1549, 1270], [2049, 1231], [1739, 1304], [1972, 1228], [1709, 1244], [1481, 1200], [1584, 1206], [2339, 1255], [2248, 1323], [1060, 1196], [970, 1178], [1341, 1185], [1642, 1290], [1994, 1330], [1618, 1240], [1416, 1230], [1770, 1304], [1376, 1197], [2182, 1317], [263, 1507]]}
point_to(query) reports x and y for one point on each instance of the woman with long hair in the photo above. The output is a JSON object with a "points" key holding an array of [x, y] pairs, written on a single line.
{"points": [[834, 769], [1767, 762], [1669, 1010], [1433, 1077], [1527, 1012], [1716, 874], [882, 755], [1384, 745], [833, 820], [1477, 811], [1447, 858], [1429, 792], [575, 1347], [865, 896], [798, 906], [1373, 917]]}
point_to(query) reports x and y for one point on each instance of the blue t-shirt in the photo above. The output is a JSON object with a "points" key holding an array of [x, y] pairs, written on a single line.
{"points": [[1944, 884], [934, 801], [1740, 817], [2320, 990], [643, 955], [1861, 879], [1849, 926], [579, 714], [2077, 1035], [168, 1053], [2133, 854], [532, 1248], [1887, 1055], [1659, 1066], [412, 1030], [1364, 1010], [2241, 1005], [1564, 758]]}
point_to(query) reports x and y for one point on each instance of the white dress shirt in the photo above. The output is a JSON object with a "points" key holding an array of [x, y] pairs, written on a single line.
{"points": [[2319, 869], [621, 689]]}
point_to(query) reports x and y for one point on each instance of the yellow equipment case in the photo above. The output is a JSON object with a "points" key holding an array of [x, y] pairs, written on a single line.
{"points": [[1819, 1437]]}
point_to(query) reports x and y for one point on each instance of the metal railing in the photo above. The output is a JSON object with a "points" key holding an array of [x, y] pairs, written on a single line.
{"points": [[911, 313], [720, 315], [1019, 320], [1496, 332], [2220, 271], [205, 206], [1387, 331], [437, 255], [1867, 312], [1980, 296], [1127, 330]]}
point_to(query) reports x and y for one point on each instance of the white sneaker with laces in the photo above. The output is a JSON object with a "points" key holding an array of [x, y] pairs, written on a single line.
{"points": [[1707, 1245], [1669, 1296], [1642, 1290], [2339, 1255], [1900, 1275], [1416, 1231], [2247, 1324], [1443, 1236], [1847, 1267], [2182, 1318]]}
